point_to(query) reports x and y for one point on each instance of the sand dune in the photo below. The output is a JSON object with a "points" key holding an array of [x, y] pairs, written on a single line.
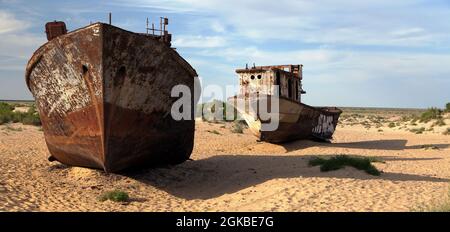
{"points": [[233, 172]]}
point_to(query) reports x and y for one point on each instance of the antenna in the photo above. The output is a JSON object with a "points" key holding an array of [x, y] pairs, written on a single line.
{"points": [[110, 17], [166, 22], [160, 26], [152, 28]]}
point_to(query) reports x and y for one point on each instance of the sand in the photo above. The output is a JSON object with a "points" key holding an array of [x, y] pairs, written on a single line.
{"points": [[234, 172]]}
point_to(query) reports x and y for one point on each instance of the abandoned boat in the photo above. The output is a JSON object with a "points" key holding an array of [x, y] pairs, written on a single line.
{"points": [[281, 84], [104, 97]]}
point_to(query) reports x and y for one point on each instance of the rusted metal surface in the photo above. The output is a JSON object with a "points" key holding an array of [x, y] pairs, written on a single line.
{"points": [[103, 95], [55, 29], [262, 79], [296, 120]]}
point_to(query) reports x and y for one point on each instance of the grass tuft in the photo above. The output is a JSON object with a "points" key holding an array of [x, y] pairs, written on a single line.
{"points": [[447, 132], [418, 130], [213, 132], [429, 146], [340, 161], [237, 127], [116, 196], [439, 122], [7, 115]]}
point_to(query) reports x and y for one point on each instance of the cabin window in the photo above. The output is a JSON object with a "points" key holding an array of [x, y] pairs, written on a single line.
{"points": [[259, 77], [289, 88], [252, 77], [277, 81]]}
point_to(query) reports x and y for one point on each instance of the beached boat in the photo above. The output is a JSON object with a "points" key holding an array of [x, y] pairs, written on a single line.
{"points": [[281, 85], [104, 97]]}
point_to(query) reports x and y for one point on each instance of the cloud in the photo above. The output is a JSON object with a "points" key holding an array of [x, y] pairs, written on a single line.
{"points": [[384, 23], [177, 6], [218, 27], [199, 41], [8, 23], [327, 66], [348, 48], [16, 43]]}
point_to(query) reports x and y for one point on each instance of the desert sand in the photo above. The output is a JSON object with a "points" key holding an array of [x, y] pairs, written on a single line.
{"points": [[234, 172]]}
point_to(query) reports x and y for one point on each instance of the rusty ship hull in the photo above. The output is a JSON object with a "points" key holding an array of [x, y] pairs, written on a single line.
{"points": [[295, 120], [104, 98]]}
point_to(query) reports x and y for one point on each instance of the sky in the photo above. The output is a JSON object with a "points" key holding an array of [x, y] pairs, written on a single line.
{"points": [[373, 53]]}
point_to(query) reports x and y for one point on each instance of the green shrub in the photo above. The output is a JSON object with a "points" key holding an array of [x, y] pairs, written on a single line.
{"points": [[447, 107], [6, 113], [28, 118], [5, 107], [5, 117], [31, 119], [431, 113], [391, 125], [340, 161], [116, 195]]}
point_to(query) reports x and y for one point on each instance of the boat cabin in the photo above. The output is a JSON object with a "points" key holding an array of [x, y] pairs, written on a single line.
{"points": [[287, 79]]}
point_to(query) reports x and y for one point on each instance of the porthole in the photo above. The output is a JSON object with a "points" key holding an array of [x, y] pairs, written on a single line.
{"points": [[259, 77], [84, 69], [252, 77]]}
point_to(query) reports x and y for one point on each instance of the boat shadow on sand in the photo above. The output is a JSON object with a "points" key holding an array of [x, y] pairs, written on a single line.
{"points": [[226, 174]]}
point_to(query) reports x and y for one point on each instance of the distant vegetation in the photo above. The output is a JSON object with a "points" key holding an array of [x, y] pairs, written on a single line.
{"points": [[434, 113], [417, 121], [340, 161], [116, 195], [7, 115], [431, 113]]}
